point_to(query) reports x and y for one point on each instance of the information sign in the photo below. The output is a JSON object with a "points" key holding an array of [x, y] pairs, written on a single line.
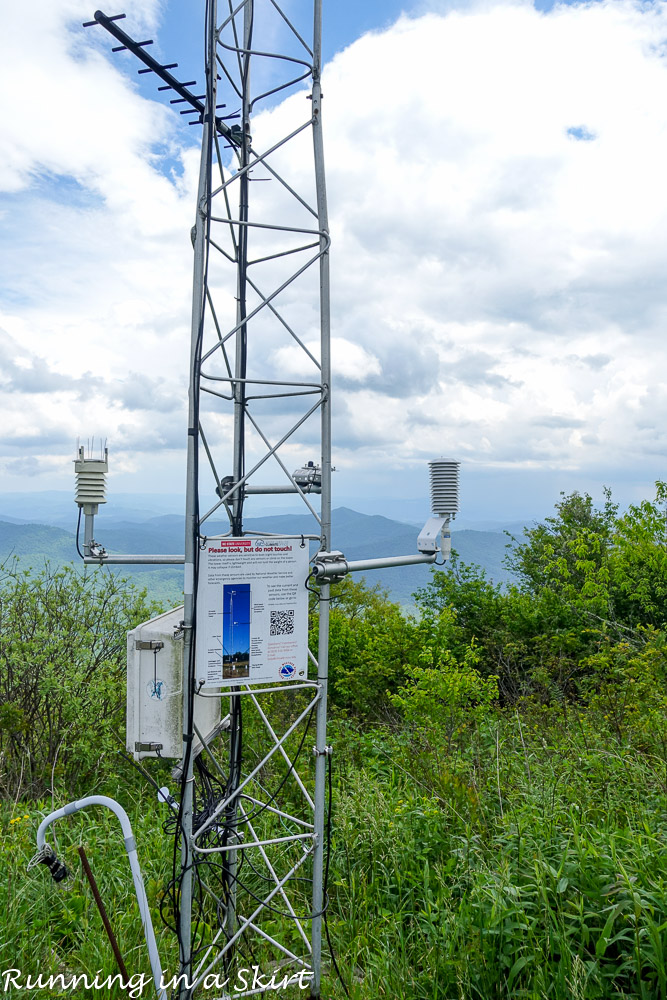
{"points": [[252, 611]]}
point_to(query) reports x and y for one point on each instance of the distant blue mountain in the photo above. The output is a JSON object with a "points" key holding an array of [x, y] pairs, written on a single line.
{"points": [[358, 536]]}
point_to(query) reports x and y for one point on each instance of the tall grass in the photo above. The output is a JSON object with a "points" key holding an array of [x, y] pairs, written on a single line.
{"points": [[528, 862], [532, 863]]}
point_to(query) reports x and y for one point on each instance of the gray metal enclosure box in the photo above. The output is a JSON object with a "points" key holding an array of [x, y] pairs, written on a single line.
{"points": [[155, 689]]}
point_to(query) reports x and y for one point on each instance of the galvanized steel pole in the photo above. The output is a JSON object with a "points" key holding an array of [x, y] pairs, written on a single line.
{"points": [[192, 502], [321, 749]]}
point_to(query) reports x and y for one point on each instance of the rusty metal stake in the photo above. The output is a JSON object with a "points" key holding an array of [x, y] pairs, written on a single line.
{"points": [[105, 920]]}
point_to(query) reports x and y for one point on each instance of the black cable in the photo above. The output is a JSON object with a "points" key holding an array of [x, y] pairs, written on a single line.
{"points": [[274, 794], [78, 529], [274, 909], [311, 590], [142, 770]]}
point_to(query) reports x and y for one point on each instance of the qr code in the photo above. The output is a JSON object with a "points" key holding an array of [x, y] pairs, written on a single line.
{"points": [[282, 622]]}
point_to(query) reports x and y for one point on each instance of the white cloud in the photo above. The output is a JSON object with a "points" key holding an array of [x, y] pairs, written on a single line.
{"points": [[496, 190], [349, 361]]}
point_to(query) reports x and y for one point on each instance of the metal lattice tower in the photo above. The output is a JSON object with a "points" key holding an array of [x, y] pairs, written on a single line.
{"points": [[259, 404], [258, 264]]}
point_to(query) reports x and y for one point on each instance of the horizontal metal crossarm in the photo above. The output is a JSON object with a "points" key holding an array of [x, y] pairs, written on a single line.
{"points": [[260, 381], [247, 844], [225, 802], [273, 226], [259, 158], [325, 569], [284, 395], [261, 395], [264, 459], [243, 323], [287, 686]]}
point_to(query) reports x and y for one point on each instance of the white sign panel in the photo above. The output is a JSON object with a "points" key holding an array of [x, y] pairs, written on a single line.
{"points": [[252, 611]]}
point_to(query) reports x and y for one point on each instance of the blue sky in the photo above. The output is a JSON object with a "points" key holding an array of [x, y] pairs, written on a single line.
{"points": [[496, 187]]}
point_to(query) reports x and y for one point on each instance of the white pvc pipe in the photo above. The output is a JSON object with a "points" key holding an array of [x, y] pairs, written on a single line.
{"points": [[131, 848]]}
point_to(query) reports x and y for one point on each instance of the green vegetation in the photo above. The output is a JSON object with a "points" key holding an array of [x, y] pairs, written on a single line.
{"points": [[62, 674], [500, 778]]}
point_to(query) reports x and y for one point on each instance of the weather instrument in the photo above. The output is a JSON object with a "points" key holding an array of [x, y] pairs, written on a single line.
{"points": [[225, 688]]}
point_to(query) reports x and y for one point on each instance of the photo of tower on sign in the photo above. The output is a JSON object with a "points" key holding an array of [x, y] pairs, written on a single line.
{"points": [[235, 630]]}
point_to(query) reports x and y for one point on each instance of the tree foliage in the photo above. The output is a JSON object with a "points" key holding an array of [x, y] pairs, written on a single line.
{"points": [[370, 643], [591, 582], [62, 667]]}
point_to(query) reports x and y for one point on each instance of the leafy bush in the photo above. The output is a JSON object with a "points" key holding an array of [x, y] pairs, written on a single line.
{"points": [[627, 689], [370, 642], [62, 667], [443, 696]]}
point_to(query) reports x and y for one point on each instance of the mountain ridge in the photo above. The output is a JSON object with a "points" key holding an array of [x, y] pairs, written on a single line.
{"points": [[359, 536]]}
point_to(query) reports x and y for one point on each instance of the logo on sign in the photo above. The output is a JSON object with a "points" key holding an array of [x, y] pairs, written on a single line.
{"points": [[287, 670]]}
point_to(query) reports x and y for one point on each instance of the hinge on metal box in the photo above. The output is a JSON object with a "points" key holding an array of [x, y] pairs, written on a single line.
{"points": [[148, 644]]}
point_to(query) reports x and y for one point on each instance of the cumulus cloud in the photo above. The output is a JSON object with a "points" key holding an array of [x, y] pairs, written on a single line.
{"points": [[496, 190], [350, 361]]}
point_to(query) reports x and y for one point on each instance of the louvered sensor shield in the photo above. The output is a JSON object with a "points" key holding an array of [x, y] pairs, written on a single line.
{"points": [[444, 487], [435, 535], [91, 480]]}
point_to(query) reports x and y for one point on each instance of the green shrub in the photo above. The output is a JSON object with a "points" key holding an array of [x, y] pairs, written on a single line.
{"points": [[62, 667], [444, 696]]}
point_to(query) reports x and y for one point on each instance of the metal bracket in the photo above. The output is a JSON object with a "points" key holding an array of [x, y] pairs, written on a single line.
{"points": [[148, 644], [327, 752], [324, 559]]}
